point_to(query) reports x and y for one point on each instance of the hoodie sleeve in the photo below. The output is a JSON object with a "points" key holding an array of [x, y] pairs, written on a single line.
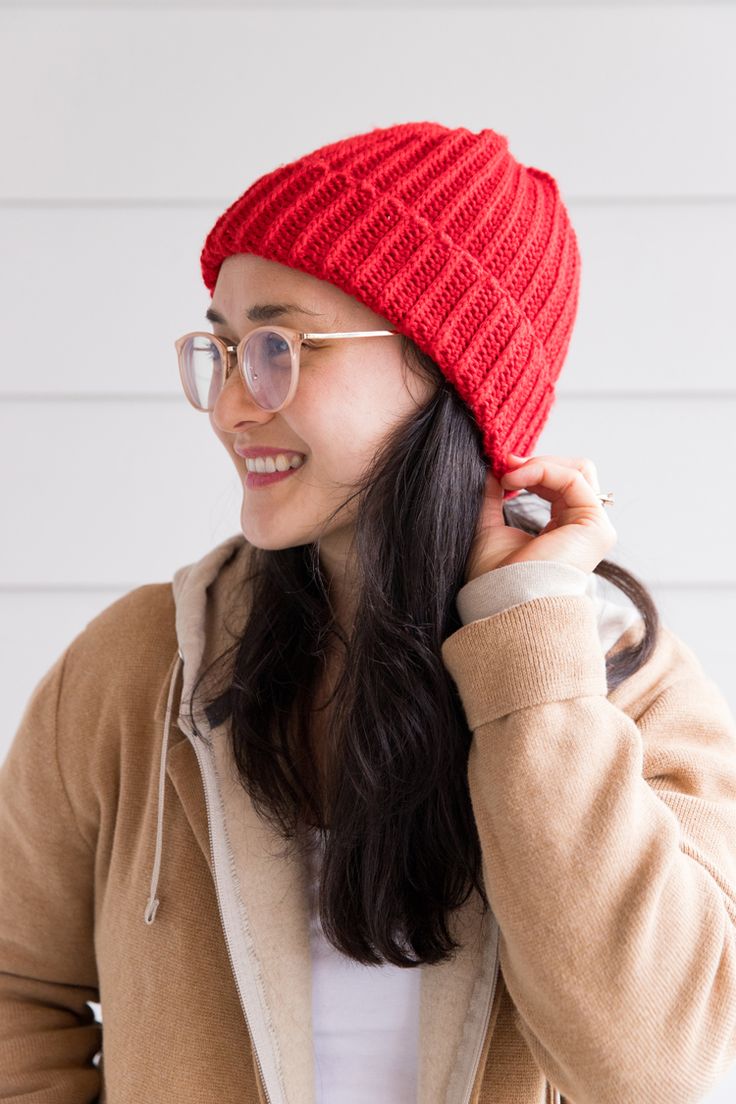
{"points": [[515, 583], [607, 826], [48, 1033]]}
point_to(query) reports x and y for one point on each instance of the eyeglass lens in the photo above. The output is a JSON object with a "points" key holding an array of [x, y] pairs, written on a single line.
{"points": [[266, 361]]}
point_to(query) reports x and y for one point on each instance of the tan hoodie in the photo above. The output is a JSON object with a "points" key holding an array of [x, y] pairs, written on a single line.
{"points": [[135, 873]]}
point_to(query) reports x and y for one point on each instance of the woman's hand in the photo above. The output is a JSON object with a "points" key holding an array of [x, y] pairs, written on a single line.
{"points": [[579, 531]]}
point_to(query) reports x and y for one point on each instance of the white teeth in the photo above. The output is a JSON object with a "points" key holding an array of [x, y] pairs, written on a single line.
{"points": [[273, 463]]}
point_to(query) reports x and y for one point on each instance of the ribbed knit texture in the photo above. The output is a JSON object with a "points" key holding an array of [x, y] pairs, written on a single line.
{"points": [[443, 232]]}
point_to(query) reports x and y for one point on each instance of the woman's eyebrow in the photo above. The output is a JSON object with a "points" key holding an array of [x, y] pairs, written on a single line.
{"points": [[264, 312]]}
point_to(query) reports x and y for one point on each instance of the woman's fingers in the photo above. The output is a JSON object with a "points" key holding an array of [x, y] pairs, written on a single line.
{"points": [[583, 463], [566, 488]]}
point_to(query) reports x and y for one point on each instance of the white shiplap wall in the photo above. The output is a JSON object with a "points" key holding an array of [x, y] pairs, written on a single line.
{"points": [[128, 127], [125, 138]]}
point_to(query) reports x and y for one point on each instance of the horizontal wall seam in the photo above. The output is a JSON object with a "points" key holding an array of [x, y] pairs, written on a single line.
{"points": [[704, 199], [562, 395]]}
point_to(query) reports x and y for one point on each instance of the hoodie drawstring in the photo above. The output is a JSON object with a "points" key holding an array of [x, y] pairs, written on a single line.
{"points": [[152, 904]]}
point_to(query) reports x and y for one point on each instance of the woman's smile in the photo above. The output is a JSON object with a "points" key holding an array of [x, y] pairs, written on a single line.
{"points": [[264, 479]]}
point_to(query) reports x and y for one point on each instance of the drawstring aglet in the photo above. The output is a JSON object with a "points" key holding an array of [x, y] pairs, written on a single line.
{"points": [[151, 907]]}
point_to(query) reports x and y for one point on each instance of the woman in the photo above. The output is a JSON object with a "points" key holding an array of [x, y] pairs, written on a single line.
{"points": [[386, 797]]}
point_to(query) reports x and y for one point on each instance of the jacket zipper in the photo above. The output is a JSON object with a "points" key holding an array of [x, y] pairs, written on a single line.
{"points": [[551, 1094], [468, 1095], [199, 755]]}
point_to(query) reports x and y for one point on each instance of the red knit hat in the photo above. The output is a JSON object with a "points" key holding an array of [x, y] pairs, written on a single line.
{"points": [[442, 232]]}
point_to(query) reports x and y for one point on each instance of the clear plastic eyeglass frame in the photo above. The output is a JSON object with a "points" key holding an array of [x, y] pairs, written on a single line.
{"points": [[233, 355]]}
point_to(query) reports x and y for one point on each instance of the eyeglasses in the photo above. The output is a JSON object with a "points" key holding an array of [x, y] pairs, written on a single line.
{"points": [[267, 359]]}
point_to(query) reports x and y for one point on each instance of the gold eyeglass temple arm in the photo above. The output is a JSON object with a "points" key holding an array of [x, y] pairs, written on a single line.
{"points": [[355, 333]]}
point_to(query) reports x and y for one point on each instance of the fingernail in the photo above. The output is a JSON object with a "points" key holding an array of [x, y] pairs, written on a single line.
{"points": [[516, 456]]}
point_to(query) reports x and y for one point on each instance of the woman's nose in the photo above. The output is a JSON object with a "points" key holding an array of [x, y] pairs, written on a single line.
{"points": [[235, 403]]}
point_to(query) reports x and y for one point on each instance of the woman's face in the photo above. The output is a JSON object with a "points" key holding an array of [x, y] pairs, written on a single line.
{"points": [[351, 393]]}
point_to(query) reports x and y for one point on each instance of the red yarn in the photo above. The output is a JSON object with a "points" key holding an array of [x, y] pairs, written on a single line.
{"points": [[442, 232]]}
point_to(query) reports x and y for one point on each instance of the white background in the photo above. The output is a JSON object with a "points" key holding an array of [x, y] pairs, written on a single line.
{"points": [[126, 130]]}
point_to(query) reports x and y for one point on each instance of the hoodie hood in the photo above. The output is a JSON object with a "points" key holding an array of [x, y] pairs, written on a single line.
{"points": [[201, 610]]}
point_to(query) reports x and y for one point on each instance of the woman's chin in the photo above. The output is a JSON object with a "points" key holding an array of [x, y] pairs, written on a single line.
{"points": [[268, 536]]}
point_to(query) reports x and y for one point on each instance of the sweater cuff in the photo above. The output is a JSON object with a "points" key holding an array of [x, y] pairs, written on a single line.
{"points": [[544, 650], [507, 586]]}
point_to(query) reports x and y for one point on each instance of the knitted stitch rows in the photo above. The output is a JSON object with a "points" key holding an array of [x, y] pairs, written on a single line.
{"points": [[444, 233]]}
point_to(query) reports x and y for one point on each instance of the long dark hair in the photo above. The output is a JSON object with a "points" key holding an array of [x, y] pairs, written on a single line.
{"points": [[401, 848]]}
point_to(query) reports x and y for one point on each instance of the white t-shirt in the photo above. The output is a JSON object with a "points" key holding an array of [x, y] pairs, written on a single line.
{"points": [[365, 1021]]}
